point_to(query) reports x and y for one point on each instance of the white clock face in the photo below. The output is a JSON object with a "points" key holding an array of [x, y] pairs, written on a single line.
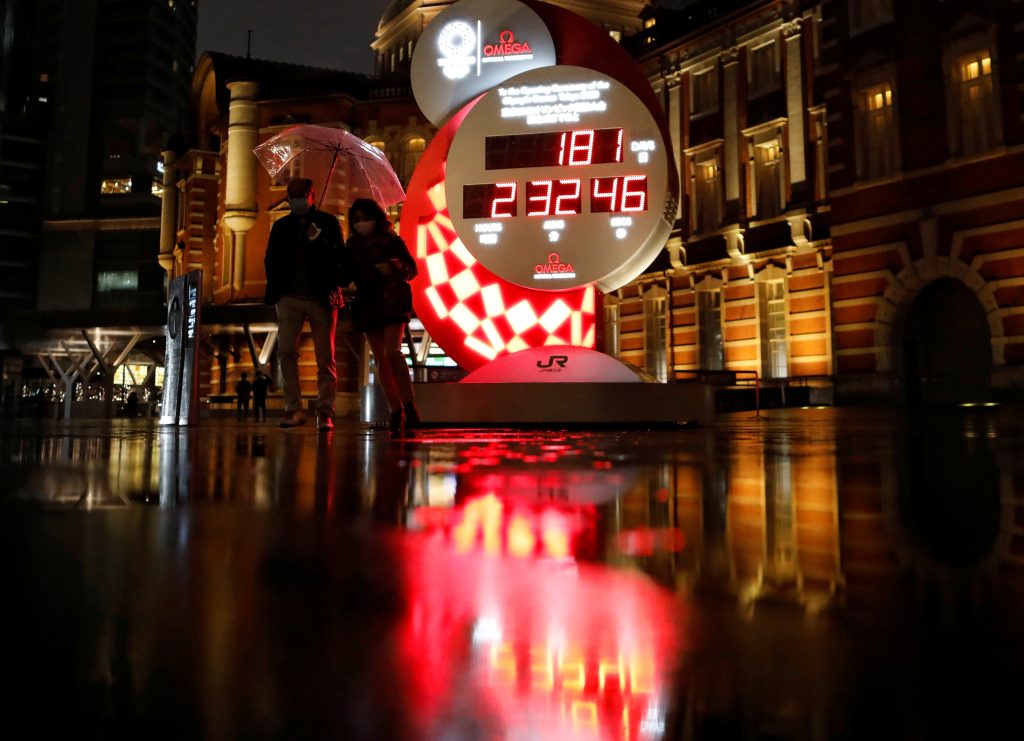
{"points": [[472, 46], [558, 178]]}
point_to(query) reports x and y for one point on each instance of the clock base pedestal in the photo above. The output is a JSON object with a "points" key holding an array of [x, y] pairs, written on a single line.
{"points": [[552, 404]]}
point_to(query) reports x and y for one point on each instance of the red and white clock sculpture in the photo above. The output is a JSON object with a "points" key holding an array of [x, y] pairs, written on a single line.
{"points": [[545, 184]]}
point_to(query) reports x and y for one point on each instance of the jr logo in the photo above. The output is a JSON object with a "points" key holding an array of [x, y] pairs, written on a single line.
{"points": [[559, 360]]}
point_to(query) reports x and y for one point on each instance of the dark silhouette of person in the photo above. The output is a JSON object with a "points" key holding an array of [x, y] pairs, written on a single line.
{"points": [[302, 259], [131, 405], [378, 262], [260, 387], [243, 391]]}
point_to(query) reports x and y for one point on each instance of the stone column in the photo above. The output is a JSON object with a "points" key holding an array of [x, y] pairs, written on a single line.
{"points": [[240, 179], [168, 212], [730, 115], [795, 102], [674, 130]]}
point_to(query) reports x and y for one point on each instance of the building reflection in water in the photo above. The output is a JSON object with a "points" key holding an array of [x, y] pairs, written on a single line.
{"points": [[745, 580]]}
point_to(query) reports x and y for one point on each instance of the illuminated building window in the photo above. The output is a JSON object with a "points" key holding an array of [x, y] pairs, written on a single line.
{"points": [[767, 179], [704, 92], [975, 124], [763, 69], [379, 143], [650, 22], [615, 34], [865, 14], [709, 314], [116, 186], [772, 305], [414, 148], [157, 188], [879, 140], [109, 281], [656, 333], [612, 336], [707, 195]]}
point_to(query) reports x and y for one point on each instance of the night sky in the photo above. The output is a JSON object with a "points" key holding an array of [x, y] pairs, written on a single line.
{"points": [[323, 33]]}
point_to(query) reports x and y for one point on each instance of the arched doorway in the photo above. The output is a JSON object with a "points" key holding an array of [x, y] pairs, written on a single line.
{"points": [[945, 346]]}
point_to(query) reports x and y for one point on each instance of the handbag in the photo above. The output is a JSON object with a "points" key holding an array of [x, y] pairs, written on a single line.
{"points": [[396, 299]]}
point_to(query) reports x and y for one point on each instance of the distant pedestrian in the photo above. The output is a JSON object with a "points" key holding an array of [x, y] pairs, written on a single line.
{"points": [[260, 386], [131, 405], [243, 391], [379, 263]]}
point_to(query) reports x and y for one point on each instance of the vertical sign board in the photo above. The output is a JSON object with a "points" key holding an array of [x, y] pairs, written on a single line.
{"points": [[180, 398]]}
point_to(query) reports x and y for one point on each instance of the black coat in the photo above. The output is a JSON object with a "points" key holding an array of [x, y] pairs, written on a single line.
{"points": [[322, 256], [380, 299]]}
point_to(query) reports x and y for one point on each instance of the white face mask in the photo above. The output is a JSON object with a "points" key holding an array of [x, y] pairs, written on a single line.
{"points": [[365, 227], [298, 206]]}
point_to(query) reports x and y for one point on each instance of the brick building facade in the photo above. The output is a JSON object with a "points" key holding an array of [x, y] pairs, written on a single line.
{"points": [[852, 197]]}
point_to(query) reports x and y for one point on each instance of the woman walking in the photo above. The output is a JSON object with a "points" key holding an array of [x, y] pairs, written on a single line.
{"points": [[378, 262]]}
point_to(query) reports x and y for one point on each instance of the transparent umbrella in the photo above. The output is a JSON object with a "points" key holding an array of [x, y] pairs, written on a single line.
{"points": [[335, 160]]}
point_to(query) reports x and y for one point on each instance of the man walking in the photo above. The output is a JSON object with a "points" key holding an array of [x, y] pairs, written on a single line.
{"points": [[302, 263]]}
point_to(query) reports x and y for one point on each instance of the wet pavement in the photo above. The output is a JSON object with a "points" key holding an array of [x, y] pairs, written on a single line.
{"points": [[812, 574]]}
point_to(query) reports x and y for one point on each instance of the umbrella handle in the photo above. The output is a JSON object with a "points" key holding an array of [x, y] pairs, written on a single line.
{"points": [[330, 174]]}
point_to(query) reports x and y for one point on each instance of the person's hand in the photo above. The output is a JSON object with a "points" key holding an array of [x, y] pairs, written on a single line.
{"points": [[313, 231]]}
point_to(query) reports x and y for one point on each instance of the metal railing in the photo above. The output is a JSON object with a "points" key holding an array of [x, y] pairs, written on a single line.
{"points": [[728, 378]]}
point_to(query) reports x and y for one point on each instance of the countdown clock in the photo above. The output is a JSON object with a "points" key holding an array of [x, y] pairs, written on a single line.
{"points": [[562, 181], [549, 178]]}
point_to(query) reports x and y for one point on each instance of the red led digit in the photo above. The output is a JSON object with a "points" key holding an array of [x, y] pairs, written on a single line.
{"points": [[544, 199], [618, 147], [581, 142], [611, 195], [561, 148], [575, 204], [507, 200], [634, 194]]}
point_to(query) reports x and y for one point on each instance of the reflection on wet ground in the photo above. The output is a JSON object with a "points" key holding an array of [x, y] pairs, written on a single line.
{"points": [[814, 574]]}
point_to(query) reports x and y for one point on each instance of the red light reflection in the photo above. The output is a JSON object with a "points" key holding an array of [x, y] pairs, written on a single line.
{"points": [[536, 649], [511, 526]]}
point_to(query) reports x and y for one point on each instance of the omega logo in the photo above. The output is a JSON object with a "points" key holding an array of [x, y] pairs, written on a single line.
{"points": [[553, 269], [507, 45]]}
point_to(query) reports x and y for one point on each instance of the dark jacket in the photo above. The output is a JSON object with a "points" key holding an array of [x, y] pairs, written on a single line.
{"points": [[380, 299], [320, 258]]}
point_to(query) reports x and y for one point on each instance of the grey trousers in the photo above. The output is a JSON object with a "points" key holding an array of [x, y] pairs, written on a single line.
{"points": [[292, 312]]}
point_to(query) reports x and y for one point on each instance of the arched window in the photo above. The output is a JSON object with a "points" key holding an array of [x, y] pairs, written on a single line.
{"points": [[414, 148]]}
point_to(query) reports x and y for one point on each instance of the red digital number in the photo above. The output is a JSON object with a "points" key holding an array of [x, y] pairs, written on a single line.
{"points": [[543, 198], [580, 150], [626, 194], [611, 195], [506, 200], [568, 203], [554, 197], [634, 194]]}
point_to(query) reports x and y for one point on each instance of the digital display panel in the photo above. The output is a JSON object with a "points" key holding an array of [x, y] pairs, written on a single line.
{"points": [[573, 148], [609, 195]]}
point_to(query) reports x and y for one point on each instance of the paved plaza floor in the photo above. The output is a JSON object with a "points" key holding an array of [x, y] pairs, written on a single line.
{"points": [[809, 574]]}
